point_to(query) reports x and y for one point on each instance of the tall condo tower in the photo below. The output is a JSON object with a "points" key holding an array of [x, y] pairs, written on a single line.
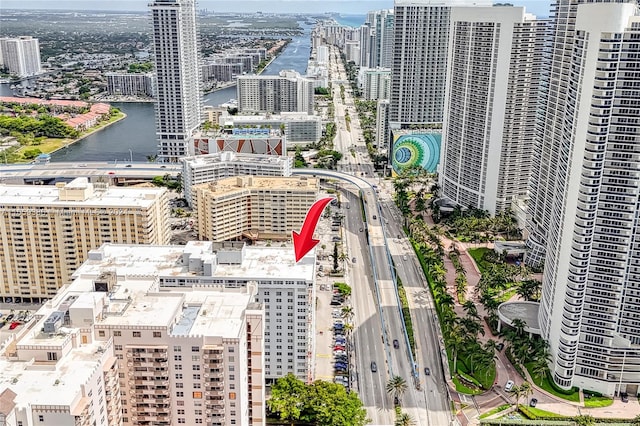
{"points": [[491, 103], [589, 175], [376, 39], [179, 95], [21, 56], [421, 36]]}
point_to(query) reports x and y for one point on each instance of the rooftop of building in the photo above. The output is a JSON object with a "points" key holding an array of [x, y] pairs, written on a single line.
{"points": [[50, 196], [262, 118], [525, 311], [59, 384], [230, 184], [245, 133], [145, 262], [229, 156]]}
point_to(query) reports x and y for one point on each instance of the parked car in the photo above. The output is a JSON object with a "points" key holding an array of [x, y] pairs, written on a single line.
{"points": [[14, 325], [338, 321], [396, 344], [374, 367], [508, 386], [335, 302], [341, 341], [10, 317], [375, 217], [353, 260], [427, 371], [623, 396], [533, 402], [339, 348], [339, 353], [500, 346]]}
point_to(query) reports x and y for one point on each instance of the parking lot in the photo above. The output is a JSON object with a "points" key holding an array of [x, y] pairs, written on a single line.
{"points": [[332, 346]]}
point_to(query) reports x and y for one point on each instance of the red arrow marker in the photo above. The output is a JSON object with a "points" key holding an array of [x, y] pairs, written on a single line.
{"points": [[303, 242]]}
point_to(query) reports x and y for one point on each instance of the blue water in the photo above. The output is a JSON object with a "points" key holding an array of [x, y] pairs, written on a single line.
{"points": [[351, 20]]}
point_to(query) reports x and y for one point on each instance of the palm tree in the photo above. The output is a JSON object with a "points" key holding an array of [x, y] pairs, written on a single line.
{"points": [[347, 312], [404, 420], [397, 386], [526, 389], [540, 368], [471, 309], [517, 393]]}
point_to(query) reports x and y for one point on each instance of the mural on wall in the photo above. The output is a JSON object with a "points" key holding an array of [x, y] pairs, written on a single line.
{"points": [[411, 150]]}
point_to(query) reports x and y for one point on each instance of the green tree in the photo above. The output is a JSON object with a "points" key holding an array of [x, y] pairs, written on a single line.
{"points": [[336, 257], [330, 404], [404, 420], [288, 397], [396, 387]]}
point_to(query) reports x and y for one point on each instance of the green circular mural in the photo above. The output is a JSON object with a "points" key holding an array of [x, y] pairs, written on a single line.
{"points": [[421, 150]]}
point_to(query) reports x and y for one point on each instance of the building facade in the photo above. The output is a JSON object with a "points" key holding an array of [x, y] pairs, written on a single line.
{"points": [[286, 92], [252, 207], [208, 168], [178, 91], [421, 37], [491, 106], [125, 84], [21, 56], [46, 232], [299, 128], [376, 39], [591, 275], [383, 135]]}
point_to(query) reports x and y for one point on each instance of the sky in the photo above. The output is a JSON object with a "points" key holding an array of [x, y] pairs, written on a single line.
{"points": [[537, 7]]}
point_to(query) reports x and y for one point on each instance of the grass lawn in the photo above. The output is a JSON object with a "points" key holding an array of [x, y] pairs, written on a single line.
{"points": [[477, 254], [542, 413], [460, 387], [546, 385], [495, 410], [597, 402]]}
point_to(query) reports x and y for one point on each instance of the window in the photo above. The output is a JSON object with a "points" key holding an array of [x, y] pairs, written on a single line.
{"points": [[198, 420], [117, 333], [181, 420], [157, 334], [177, 357], [195, 358], [232, 395], [52, 356], [196, 367], [100, 333], [197, 385], [195, 348], [179, 376], [181, 411], [197, 394], [137, 334], [117, 347], [232, 376], [41, 418], [180, 394], [179, 385], [196, 377], [232, 349], [177, 348]]}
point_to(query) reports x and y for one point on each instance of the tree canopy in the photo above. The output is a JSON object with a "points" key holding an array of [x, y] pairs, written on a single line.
{"points": [[321, 403]]}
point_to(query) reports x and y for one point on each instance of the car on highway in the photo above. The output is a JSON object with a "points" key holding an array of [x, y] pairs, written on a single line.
{"points": [[508, 386], [500, 346], [533, 402], [353, 260], [396, 344], [361, 229], [404, 257], [375, 217], [374, 367], [128, 165], [427, 371]]}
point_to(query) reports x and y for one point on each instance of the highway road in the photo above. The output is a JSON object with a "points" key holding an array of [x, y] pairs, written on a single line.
{"points": [[378, 319]]}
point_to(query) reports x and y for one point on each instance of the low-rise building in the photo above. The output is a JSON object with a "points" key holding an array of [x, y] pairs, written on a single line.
{"points": [[127, 84], [299, 128], [243, 140], [252, 207]]}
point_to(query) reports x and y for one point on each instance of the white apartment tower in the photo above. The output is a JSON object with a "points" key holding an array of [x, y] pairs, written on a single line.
{"points": [[491, 105], [421, 35], [376, 83], [21, 56], [286, 92], [591, 279], [178, 85]]}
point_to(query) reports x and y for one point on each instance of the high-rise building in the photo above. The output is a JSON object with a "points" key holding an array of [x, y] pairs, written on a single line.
{"points": [[129, 84], [491, 105], [376, 83], [253, 207], [46, 232], [286, 289], [383, 135], [211, 167], [421, 36], [178, 89], [286, 92], [112, 348], [589, 174], [21, 56]]}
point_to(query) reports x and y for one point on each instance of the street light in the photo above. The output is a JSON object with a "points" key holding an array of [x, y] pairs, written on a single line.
{"points": [[130, 156]]}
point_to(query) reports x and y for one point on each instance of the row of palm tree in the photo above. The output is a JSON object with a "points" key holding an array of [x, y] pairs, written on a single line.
{"points": [[526, 349]]}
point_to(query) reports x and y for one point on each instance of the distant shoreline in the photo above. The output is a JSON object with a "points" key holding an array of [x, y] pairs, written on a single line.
{"points": [[90, 132]]}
